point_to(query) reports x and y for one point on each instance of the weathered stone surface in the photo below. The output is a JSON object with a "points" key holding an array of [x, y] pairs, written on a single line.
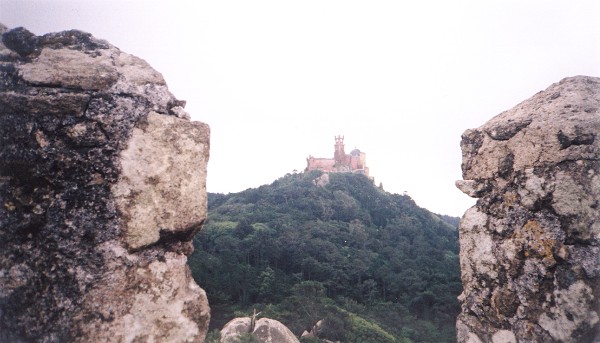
{"points": [[530, 247], [68, 68], [161, 189], [234, 328], [316, 329], [265, 329], [272, 331], [102, 186]]}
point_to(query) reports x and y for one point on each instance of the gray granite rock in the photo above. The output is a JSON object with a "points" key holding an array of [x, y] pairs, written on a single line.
{"points": [[102, 187], [529, 247], [265, 330]]}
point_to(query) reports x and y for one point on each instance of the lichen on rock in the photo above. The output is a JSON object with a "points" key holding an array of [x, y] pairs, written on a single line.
{"points": [[530, 251], [161, 190], [102, 187]]}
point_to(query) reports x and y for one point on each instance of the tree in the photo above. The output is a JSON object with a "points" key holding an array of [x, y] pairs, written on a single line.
{"points": [[266, 284], [302, 253]]}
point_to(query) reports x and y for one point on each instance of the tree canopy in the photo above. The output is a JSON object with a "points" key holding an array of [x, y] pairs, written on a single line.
{"points": [[373, 265]]}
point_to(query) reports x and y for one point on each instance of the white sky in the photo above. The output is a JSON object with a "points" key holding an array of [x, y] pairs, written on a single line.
{"points": [[401, 80]]}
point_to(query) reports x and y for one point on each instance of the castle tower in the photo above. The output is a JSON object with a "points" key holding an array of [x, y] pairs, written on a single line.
{"points": [[339, 155]]}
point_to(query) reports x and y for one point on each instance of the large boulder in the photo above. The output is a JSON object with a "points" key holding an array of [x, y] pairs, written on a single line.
{"points": [[272, 331], [265, 330], [102, 187], [235, 328], [530, 247]]}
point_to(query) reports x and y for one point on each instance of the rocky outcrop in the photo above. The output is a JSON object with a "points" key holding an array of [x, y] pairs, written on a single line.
{"points": [[265, 330], [315, 330], [530, 247], [102, 187]]}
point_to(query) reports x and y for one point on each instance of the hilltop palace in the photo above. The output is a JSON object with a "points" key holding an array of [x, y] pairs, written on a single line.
{"points": [[355, 162]]}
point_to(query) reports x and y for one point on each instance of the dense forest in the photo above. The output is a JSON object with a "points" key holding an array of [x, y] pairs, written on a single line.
{"points": [[374, 266]]}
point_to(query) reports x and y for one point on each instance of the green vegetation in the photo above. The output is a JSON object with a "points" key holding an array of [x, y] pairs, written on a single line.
{"points": [[372, 265], [213, 336]]}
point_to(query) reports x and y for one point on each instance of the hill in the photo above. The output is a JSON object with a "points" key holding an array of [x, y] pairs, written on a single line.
{"points": [[312, 246]]}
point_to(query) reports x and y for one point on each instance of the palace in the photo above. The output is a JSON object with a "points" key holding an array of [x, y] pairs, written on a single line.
{"points": [[355, 162]]}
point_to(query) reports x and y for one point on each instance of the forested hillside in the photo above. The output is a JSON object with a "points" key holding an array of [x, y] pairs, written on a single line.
{"points": [[373, 265]]}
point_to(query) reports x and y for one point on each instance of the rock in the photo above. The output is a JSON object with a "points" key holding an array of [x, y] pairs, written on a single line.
{"points": [[20, 41], [156, 195], [234, 328], [272, 331], [68, 68], [530, 256], [322, 180], [315, 330], [266, 330], [472, 188], [102, 187]]}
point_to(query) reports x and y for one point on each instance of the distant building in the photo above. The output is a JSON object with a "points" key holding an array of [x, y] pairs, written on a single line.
{"points": [[355, 162]]}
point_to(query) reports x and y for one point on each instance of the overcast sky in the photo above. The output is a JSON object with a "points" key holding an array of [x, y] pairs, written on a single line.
{"points": [[401, 80]]}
